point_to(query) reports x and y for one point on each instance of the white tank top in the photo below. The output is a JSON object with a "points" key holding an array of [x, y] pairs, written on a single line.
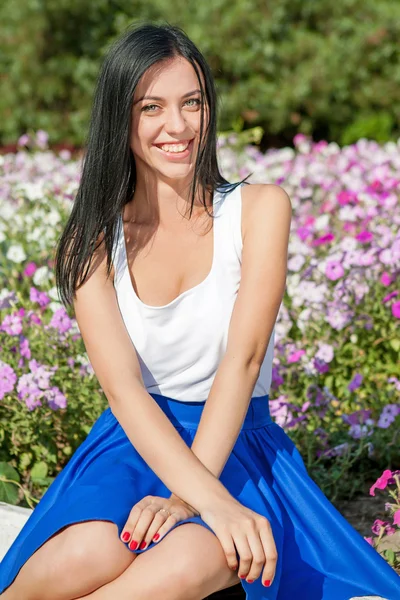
{"points": [[180, 345]]}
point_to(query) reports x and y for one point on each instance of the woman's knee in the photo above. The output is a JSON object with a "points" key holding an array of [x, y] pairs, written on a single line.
{"points": [[75, 561], [92, 550]]}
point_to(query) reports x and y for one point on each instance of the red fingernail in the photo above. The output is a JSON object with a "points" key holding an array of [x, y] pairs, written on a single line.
{"points": [[267, 582], [242, 576], [126, 536], [249, 580], [155, 538], [133, 545], [142, 545]]}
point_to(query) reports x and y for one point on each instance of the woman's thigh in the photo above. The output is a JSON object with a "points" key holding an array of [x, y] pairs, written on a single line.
{"points": [[75, 561], [189, 563]]}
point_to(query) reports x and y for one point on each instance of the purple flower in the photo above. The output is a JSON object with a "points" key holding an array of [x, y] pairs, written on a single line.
{"points": [[321, 366], [55, 398], [40, 297], [61, 320], [357, 417], [24, 348], [385, 420], [8, 379], [355, 382], [12, 324]]}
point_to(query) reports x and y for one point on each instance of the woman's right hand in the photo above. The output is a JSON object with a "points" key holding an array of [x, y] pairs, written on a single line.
{"points": [[240, 528]]}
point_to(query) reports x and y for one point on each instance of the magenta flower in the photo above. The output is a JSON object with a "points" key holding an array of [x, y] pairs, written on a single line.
{"points": [[295, 356], [369, 540], [378, 525], [396, 309], [396, 518], [303, 233], [381, 482], [324, 239], [390, 296], [364, 237], [30, 269], [386, 279], [344, 197]]}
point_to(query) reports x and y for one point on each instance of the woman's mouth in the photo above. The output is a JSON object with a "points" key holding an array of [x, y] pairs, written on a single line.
{"points": [[175, 151]]}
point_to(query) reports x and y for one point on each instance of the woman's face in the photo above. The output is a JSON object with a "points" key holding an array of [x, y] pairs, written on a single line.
{"points": [[169, 114]]}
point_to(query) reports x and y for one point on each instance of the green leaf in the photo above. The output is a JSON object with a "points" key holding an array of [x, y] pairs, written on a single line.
{"points": [[390, 556], [395, 345], [39, 471], [8, 491]]}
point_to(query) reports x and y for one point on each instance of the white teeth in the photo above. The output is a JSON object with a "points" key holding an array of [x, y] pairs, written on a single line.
{"points": [[174, 147]]}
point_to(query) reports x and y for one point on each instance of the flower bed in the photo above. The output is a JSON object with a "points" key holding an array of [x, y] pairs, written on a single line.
{"points": [[336, 377]]}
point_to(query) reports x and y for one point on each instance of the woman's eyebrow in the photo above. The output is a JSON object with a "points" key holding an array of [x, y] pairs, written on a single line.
{"points": [[159, 97]]}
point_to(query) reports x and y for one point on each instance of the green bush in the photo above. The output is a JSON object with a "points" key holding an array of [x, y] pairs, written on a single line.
{"points": [[327, 69]]}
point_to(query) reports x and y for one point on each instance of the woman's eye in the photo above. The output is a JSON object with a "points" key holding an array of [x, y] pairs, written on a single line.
{"points": [[149, 106], [197, 100], [145, 108]]}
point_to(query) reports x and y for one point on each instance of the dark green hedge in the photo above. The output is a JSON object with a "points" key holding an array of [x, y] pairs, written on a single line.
{"points": [[330, 69]]}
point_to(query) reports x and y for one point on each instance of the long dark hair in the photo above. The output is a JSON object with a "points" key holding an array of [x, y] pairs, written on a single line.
{"points": [[109, 172]]}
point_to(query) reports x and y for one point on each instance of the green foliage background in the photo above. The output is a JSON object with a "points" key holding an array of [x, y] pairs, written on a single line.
{"points": [[327, 69]]}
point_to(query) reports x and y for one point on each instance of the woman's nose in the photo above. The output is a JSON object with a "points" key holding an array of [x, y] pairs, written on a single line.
{"points": [[175, 122]]}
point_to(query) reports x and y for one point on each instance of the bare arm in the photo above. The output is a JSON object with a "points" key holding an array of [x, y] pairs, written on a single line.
{"points": [[117, 368], [263, 281]]}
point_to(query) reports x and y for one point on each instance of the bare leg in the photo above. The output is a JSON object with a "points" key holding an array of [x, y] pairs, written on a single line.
{"points": [[77, 560], [188, 564]]}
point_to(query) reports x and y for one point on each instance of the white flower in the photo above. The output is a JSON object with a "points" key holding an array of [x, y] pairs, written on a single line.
{"points": [[41, 276], [16, 253]]}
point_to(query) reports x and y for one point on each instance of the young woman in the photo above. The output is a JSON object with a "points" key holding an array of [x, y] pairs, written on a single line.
{"points": [[184, 485]]}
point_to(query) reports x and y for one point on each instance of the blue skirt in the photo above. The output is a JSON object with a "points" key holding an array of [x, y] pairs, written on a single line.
{"points": [[320, 555]]}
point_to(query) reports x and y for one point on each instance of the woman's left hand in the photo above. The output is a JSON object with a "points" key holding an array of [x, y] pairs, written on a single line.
{"points": [[145, 520]]}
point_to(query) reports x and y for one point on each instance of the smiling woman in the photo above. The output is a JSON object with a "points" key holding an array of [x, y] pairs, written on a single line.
{"points": [[185, 486]]}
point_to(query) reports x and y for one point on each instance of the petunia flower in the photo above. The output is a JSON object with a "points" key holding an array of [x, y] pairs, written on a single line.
{"points": [[381, 482]]}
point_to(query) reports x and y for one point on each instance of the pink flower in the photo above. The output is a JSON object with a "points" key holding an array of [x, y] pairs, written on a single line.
{"points": [[30, 269], [324, 239], [296, 356], [364, 236], [369, 540], [390, 296], [386, 279], [396, 309], [334, 270], [345, 197], [396, 518], [303, 233], [381, 482]]}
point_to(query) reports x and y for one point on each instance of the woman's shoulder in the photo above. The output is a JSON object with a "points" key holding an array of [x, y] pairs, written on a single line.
{"points": [[260, 201]]}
